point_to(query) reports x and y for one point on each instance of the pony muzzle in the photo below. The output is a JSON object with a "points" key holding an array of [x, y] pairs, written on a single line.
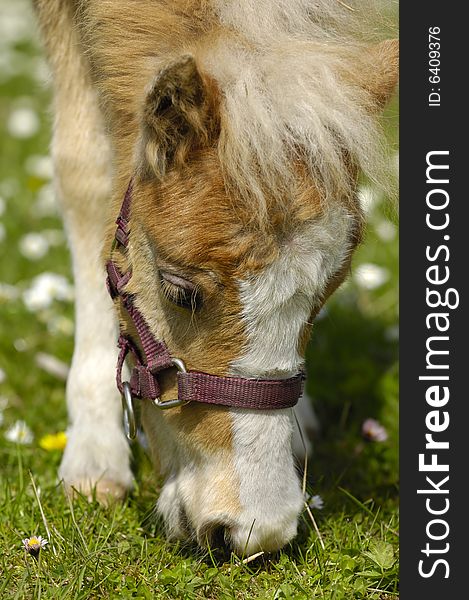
{"points": [[245, 538]]}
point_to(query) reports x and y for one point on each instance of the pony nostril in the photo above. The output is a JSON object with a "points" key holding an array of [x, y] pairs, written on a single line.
{"points": [[219, 537], [215, 534]]}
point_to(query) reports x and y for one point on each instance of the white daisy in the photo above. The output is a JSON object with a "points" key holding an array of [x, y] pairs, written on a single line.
{"points": [[19, 433], [23, 123], [52, 365], [370, 276], [44, 289], [373, 431], [59, 324], [386, 230], [20, 344], [34, 246], [316, 502], [34, 544], [40, 166], [46, 204]]}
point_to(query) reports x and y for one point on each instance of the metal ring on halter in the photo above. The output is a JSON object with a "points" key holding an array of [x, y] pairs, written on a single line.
{"points": [[181, 367], [130, 423]]}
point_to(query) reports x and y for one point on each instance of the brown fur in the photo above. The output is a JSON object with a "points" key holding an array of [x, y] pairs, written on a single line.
{"points": [[382, 72]]}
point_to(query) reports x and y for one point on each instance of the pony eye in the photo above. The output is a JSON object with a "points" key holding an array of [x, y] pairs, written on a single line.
{"points": [[179, 291]]}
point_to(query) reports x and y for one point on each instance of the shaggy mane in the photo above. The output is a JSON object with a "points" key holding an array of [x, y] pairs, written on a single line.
{"points": [[288, 73]]}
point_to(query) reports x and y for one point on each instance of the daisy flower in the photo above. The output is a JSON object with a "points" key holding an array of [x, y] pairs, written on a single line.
{"points": [[316, 502], [369, 276], [386, 230], [52, 365], [23, 123], [34, 544], [19, 433], [34, 246], [40, 166], [44, 289], [373, 431], [46, 204]]}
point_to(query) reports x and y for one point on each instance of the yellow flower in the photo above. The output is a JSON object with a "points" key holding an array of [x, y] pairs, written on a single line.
{"points": [[54, 441]]}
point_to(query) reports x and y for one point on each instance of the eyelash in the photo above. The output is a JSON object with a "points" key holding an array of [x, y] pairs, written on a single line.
{"points": [[190, 299]]}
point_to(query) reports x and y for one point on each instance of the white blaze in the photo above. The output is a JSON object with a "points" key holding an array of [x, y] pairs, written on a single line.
{"points": [[276, 305]]}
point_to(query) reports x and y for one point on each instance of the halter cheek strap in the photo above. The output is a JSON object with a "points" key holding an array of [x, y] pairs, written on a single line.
{"points": [[154, 357]]}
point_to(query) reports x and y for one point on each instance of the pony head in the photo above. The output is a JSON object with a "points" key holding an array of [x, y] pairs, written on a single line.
{"points": [[244, 220]]}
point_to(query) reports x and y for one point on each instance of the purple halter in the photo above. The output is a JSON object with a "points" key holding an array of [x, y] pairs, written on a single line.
{"points": [[154, 357]]}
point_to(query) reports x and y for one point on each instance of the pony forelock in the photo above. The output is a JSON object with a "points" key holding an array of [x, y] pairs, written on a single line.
{"points": [[288, 73]]}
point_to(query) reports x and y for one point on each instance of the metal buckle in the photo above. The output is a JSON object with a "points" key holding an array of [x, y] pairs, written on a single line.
{"points": [[130, 423], [163, 404]]}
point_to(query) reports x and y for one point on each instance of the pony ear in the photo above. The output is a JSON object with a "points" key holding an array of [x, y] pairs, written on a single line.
{"points": [[380, 72], [180, 114]]}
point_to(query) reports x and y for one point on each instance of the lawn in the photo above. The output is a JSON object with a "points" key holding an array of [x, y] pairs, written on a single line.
{"points": [[120, 552]]}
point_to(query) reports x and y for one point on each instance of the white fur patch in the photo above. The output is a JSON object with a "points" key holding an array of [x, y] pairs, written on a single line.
{"points": [[269, 488], [276, 305], [169, 506], [278, 302]]}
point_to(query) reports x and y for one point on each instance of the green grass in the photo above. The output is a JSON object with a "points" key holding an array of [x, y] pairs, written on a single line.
{"points": [[94, 552]]}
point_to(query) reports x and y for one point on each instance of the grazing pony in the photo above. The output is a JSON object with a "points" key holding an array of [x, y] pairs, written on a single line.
{"points": [[242, 127]]}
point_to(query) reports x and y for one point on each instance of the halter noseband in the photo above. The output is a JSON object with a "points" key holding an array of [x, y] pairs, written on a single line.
{"points": [[154, 356]]}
